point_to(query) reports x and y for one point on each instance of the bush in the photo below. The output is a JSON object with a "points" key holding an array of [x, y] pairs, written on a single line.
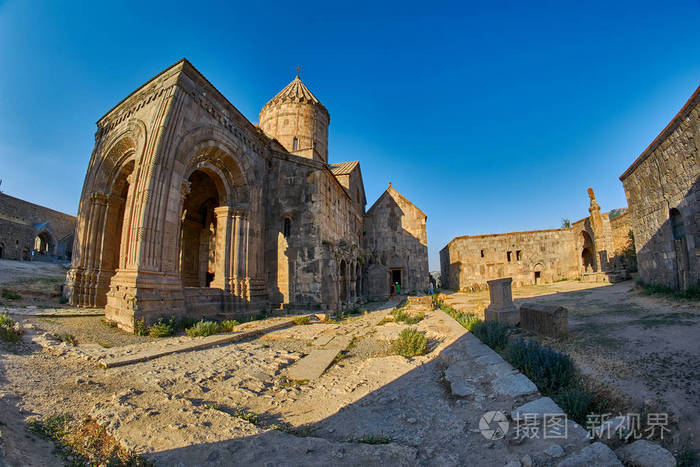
{"points": [[401, 316], [410, 343], [492, 333], [576, 402], [140, 327], [228, 325], [467, 320], [67, 338], [302, 320], [162, 328], [203, 329], [10, 295], [9, 330], [550, 370]]}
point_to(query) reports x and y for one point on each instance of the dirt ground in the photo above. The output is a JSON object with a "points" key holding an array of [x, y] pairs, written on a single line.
{"points": [[233, 404], [645, 347], [37, 284]]}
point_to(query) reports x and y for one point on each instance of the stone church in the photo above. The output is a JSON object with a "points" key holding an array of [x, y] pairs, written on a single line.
{"points": [[190, 209]]}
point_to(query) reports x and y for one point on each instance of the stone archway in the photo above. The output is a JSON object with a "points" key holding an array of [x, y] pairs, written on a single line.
{"points": [[198, 249], [44, 244], [588, 258]]}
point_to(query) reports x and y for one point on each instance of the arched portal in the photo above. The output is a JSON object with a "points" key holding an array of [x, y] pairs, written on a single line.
{"points": [[588, 262], [198, 253], [343, 282], [112, 249], [44, 243]]}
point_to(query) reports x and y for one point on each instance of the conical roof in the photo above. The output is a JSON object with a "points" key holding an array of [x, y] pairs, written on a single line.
{"points": [[296, 91]]}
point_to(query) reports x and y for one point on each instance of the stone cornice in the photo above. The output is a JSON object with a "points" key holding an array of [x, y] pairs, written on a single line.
{"points": [[665, 133]]}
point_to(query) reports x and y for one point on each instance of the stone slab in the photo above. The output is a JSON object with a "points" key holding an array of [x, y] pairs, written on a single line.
{"points": [[489, 359], [538, 409], [513, 385], [195, 344], [545, 320], [644, 453], [499, 370], [339, 342], [597, 454], [313, 365]]}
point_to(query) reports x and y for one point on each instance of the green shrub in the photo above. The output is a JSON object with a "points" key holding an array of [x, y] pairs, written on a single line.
{"points": [[250, 417], [410, 343], [10, 295], [140, 328], [9, 330], [550, 370], [467, 320], [111, 324], [67, 338], [203, 329], [492, 333], [302, 320], [228, 325], [401, 316], [576, 402], [162, 328]]}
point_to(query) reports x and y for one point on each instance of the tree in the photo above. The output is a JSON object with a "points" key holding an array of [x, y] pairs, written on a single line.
{"points": [[565, 223]]}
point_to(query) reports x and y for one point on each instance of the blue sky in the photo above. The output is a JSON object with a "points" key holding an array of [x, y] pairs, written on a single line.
{"points": [[490, 116]]}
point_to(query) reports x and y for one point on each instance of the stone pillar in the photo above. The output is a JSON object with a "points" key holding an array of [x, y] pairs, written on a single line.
{"points": [[224, 224], [501, 308]]}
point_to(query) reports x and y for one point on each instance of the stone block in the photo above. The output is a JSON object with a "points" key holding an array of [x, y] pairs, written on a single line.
{"points": [[596, 454], [545, 320], [643, 453], [514, 385], [501, 308]]}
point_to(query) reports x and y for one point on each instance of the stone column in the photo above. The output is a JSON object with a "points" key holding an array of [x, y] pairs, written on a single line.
{"points": [[501, 308], [224, 224]]}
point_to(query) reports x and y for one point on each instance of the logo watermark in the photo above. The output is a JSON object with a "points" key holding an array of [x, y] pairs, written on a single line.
{"points": [[495, 425]]}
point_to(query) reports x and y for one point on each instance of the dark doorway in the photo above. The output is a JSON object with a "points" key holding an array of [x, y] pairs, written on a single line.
{"points": [[395, 277], [538, 274]]}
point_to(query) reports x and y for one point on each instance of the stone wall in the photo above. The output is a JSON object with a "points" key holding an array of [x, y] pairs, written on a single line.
{"points": [[664, 202], [21, 222], [540, 256], [395, 240]]}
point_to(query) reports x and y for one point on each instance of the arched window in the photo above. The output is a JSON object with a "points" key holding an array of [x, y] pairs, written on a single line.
{"points": [[287, 229], [677, 225], [295, 144]]}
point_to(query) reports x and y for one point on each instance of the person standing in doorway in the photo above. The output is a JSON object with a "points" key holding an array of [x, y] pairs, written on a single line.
{"points": [[398, 289], [430, 289]]}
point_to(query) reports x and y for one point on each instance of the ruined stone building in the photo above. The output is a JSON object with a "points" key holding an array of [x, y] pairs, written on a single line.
{"points": [[664, 202], [32, 232], [189, 208], [593, 248]]}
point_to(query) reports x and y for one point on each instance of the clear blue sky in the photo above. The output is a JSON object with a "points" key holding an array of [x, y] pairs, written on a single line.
{"points": [[491, 117]]}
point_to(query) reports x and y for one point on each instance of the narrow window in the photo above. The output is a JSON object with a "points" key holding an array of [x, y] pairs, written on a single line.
{"points": [[287, 227], [518, 255], [482, 253], [295, 144], [509, 255]]}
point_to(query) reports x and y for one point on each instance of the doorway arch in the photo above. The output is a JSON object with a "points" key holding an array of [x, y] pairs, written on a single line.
{"points": [[198, 253]]}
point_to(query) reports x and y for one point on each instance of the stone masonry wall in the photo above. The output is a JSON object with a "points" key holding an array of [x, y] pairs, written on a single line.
{"points": [[395, 238], [663, 181], [18, 221], [540, 256]]}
